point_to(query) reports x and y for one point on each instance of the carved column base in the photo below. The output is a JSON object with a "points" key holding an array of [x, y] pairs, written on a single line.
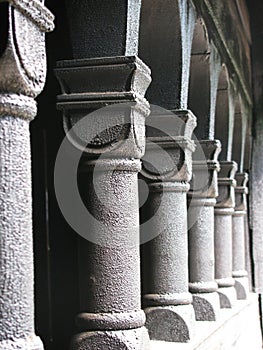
{"points": [[30, 343], [227, 297], [201, 251], [206, 306], [223, 250], [112, 340], [227, 292], [170, 323], [242, 287], [201, 202], [239, 243]]}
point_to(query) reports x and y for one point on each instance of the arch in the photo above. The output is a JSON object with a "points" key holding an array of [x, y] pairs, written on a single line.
{"points": [[237, 144], [199, 100], [247, 151], [103, 29], [163, 49], [247, 135], [224, 115]]}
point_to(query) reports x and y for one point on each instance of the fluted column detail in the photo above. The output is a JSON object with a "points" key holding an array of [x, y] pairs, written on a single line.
{"points": [[239, 255], [167, 301], [22, 78], [223, 233], [201, 201], [109, 263]]}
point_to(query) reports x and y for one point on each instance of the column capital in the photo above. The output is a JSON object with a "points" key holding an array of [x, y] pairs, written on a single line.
{"points": [[241, 192], [89, 85], [23, 59], [205, 169], [226, 185], [169, 147]]}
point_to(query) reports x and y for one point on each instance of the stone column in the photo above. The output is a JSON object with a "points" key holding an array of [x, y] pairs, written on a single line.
{"points": [[109, 264], [202, 199], [239, 254], [167, 168], [223, 233], [22, 77]]}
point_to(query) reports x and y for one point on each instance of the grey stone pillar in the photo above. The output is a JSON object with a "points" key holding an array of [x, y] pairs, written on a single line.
{"points": [[109, 264], [248, 257], [202, 199], [22, 77], [239, 254], [223, 233], [167, 301]]}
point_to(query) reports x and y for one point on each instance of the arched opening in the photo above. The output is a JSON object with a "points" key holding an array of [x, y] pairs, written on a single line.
{"points": [[248, 149], [200, 81], [237, 145], [160, 47], [103, 29], [223, 122]]}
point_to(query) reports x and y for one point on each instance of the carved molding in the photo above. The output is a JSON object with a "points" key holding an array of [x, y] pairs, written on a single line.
{"points": [[205, 169], [118, 83], [226, 185], [175, 147], [23, 61], [241, 192]]}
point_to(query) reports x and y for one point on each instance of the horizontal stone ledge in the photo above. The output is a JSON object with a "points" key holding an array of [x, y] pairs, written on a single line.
{"points": [[110, 321], [168, 299], [237, 328], [98, 75]]}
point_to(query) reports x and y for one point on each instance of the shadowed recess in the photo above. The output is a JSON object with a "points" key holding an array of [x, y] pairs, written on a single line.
{"points": [[160, 47], [237, 149], [222, 112], [4, 6], [248, 150], [200, 85], [97, 28]]}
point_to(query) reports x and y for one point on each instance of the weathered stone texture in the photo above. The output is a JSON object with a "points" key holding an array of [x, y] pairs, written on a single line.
{"points": [[225, 20]]}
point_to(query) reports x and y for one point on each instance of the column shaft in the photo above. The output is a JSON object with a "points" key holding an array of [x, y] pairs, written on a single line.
{"points": [[223, 234], [169, 304], [167, 301], [239, 247], [239, 269], [110, 314], [22, 77], [16, 247], [201, 202], [223, 244]]}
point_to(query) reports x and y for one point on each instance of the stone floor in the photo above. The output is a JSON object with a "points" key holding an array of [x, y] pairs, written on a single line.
{"points": [[237, 328]]}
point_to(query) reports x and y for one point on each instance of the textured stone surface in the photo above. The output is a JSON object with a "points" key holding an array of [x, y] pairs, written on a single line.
{"points": [[169, 310], [23, 64], [232, 36], [114, 26], [256, 195], [22, 77], [223, 233], [163, 25], [206, 306], [112, 340], [239, 247], [202, 263], [170, 323], [114, 139], [16, 263], [237, 328], [204, 73], [201, 201]]}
